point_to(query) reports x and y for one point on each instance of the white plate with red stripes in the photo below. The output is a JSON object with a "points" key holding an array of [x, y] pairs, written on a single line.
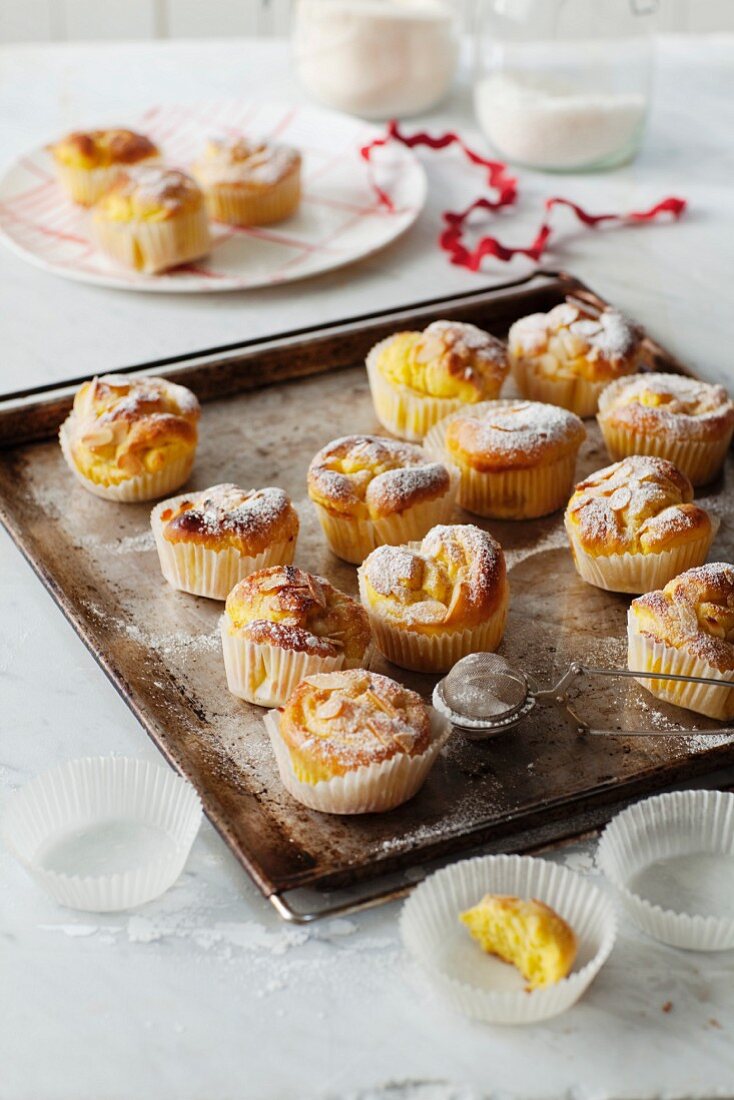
{"points": [[340, 219]]}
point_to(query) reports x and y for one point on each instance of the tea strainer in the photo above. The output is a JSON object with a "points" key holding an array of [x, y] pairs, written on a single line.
{"points": [[485, 695]]}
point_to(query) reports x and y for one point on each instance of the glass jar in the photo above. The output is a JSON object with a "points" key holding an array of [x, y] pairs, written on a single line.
{"points": [[564, 85], [376, 58]]}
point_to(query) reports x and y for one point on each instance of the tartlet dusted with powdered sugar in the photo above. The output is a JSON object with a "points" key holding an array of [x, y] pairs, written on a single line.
{"points": [[568, 355], [369, 490], [634, 526], [281, 624], [209, 540]]}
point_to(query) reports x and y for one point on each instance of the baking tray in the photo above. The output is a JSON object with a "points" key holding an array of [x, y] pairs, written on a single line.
{"points": [[269, 406]]}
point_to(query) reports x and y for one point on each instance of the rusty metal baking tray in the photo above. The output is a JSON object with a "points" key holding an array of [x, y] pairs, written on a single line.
{"points": [[269, 405]]}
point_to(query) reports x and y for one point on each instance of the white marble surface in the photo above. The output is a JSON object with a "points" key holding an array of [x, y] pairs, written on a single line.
{"points": [[205, 995]]}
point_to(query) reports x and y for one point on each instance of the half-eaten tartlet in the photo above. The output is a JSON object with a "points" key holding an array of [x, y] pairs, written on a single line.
{"points": [[669, 415], [249, 182], [567, 356], [88, 162], [687, 629], [432, 603], [527, 934], [369, 490], [633, 526], [151, 219], [209, 540], [131, 439], [354, 742], [516, 459], [417, 378], [282, 624]]}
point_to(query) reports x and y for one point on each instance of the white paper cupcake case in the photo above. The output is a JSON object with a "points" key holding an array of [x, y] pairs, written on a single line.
{"points": [[434, 936], [699, 459], [267, 675], [578, 395], [406, 414], [91, 791], [152, 246], [196, 569], [675, 824], [373, 789], [635, 573], [646, 655], [353, 539], [133, 489]]}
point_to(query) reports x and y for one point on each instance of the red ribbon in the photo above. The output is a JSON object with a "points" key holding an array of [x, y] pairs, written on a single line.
{"points": [[451, 240]]}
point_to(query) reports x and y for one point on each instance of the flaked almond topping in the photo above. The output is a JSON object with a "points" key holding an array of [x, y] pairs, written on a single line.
{"points": [[380, 703], [619, 499], [331, 707], [316, 590], [272, 584]]}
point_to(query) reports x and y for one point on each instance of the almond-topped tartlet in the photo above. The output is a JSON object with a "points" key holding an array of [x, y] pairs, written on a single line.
{"points": [[516, 459], [417, 378], [431, 603], [567, 356], [89, 161], [669, 415], [633, 526], [368, 490], [249, 182], [208, 541], [152, 218], [281, 624], [687, 629], [354, 742], [131, 439]]}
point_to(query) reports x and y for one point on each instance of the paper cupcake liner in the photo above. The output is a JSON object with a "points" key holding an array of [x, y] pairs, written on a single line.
{"points": [[190, 567], [367, 790], [87, 185], [92, 793], [132, 490], [237, 205], [508, 494], [458, 968], [405, 413], [436, 652], [578, 395], [354, 539], [635, 573], [699, 459], [152, 247], [670, 825], [646, 655], [268, 674]]}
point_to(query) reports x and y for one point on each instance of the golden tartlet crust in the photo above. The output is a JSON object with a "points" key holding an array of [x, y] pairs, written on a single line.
{"points": [[369, 476], [287, 607], [103, 148], [640, 505], [240, 162], [668, 405], [694, 612], [121, 427], [448, 359], [248, 520], [570, 341], [149, 192], [456, 578], [513, 435], [338, 721]]}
